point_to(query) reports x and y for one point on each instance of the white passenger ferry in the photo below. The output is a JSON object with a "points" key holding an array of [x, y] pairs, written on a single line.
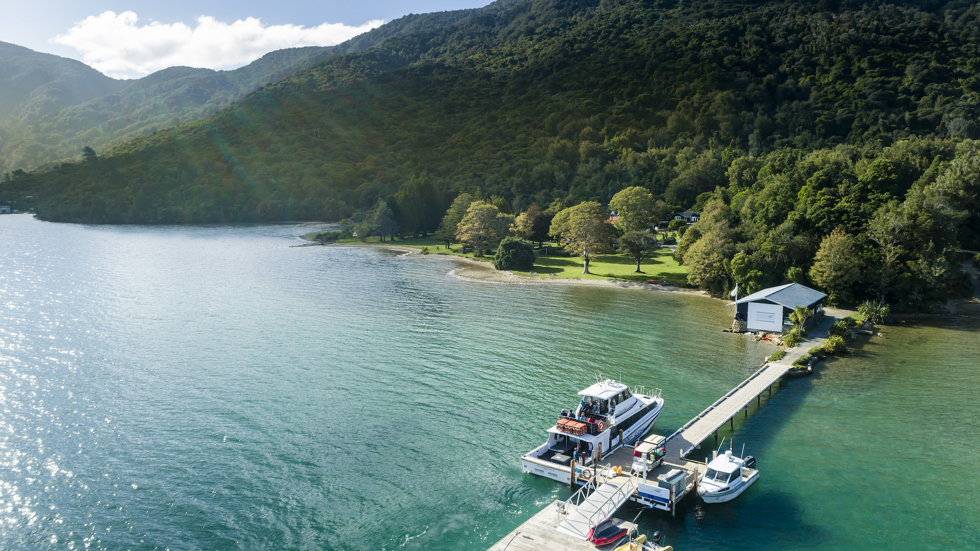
{"points": [[607, 410]]}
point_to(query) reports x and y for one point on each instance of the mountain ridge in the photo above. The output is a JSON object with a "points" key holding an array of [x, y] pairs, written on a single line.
{"points": [[127, 109]]}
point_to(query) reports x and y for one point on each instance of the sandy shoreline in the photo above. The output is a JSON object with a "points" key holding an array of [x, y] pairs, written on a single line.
{"points": [[484, 272]]}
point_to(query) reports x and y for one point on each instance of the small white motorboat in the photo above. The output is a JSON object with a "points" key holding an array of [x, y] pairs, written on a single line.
{"points": [[726, 477]]}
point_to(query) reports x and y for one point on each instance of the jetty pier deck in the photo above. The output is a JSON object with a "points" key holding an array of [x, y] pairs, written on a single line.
{"points": [[539, 533], [542, 530]]}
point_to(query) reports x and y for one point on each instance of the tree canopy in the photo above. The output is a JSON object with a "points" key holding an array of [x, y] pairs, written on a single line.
{"points": [[584, 230], [483, 226], [636, 209]]}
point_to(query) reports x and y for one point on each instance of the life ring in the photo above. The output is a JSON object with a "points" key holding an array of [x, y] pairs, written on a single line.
{"points": [[601, 426]]}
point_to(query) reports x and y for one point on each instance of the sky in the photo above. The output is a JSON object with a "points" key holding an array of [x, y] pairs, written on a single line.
{"points": [[132, 38]]}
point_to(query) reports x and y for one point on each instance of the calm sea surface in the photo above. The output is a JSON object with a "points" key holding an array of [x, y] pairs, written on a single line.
{"points": [[217, 388]]}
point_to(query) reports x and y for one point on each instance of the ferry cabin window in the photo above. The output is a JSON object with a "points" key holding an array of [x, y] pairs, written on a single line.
{"points": [[736, 475]]}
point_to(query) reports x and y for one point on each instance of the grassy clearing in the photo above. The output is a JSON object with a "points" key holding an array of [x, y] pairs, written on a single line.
{"points": [[661, 266]]}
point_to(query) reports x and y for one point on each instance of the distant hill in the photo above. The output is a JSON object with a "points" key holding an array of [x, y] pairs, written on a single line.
{"points": [[52, 107], [36, 84]]}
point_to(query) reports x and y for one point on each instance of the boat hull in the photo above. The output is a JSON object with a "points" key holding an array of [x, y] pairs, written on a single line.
{"points": [[555, 472], [722, 497]]}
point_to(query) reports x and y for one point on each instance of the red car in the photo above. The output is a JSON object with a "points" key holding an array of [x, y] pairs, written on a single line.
{"points": [[608, 532]]}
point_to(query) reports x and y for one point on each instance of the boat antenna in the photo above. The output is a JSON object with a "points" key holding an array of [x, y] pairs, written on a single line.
{"points": [[731, 445], [743, 450]]}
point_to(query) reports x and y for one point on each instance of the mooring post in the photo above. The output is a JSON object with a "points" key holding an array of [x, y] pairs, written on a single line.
{"points": [[571, 481], [620, 437], [599, 455], [671, 501]]}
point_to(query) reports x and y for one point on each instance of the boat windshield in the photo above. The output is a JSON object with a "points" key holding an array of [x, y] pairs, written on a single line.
{"points": [[716, 475]]}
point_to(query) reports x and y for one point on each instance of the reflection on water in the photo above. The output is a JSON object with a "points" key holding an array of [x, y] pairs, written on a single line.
{"points": [[215, 388]]}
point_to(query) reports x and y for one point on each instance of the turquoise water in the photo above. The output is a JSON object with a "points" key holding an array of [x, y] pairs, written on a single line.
{"points": [[218, 388]]}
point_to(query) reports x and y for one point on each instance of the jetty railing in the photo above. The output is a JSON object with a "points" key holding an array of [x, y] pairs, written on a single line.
{"points": [[577, 498], [611, 505]]}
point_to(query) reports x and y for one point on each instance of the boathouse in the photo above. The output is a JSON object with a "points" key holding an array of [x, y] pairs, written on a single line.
{"points": [[769, 309]]}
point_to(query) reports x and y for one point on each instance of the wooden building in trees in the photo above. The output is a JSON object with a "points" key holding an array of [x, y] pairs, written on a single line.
{"points": [[768, 310]]}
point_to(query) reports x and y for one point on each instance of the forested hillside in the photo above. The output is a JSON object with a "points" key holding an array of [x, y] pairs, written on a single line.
{"points": [[32, 83], [100, 112], [785, 120]]}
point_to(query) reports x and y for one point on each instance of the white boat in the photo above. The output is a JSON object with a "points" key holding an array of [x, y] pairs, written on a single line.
{"points": [[609, 416], [726, 477]]}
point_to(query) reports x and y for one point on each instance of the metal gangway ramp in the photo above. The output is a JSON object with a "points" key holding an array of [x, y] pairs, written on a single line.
{"points": [[585, 510]]}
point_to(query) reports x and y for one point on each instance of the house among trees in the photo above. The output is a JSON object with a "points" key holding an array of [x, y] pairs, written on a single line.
{"points": [[4, 209], [769, 309], [688, 216]]}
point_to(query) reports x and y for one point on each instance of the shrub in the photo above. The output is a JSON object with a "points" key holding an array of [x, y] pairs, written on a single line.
{"points": [[817, 351], [841, 327], [514, 254], [791, 339], [835, 345], [876, 311], [777, 355], [801, 361], [425, 250], [327, 236]]}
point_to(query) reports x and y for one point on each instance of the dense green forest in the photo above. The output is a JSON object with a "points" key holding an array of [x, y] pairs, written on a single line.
{"points": [[784, 120], [51, 107]]}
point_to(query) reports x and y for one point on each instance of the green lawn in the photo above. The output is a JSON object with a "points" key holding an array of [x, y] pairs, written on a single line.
{"points": [[613, 266], [661, 266]]}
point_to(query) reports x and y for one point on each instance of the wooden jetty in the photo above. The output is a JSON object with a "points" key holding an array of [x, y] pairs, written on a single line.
{"points": [[564, 525], [539, 533]]}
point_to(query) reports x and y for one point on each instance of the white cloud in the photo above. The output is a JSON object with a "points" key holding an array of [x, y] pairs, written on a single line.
{"points": [[119, 47]]}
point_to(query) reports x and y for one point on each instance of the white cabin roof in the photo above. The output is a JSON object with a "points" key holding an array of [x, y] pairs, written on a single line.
{"points": [[604, 390], [724, 464]]}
